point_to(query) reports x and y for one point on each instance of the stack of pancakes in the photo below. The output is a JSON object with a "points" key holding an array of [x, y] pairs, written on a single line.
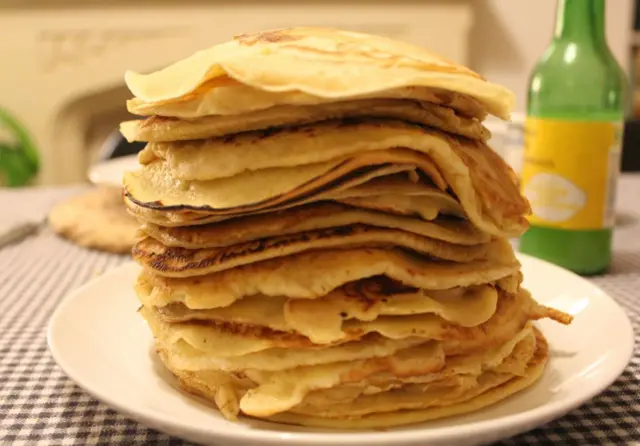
{"points": [[324, 231]]}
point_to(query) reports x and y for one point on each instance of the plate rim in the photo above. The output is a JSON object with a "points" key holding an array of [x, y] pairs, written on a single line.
{"points": [[516, 423], [94, 175]]}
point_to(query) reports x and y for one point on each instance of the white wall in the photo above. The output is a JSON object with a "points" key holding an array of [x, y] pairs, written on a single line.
{"points": [[509, 36]]}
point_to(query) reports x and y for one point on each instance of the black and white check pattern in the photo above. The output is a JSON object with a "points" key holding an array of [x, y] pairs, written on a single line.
{"points": [[39, 405]]}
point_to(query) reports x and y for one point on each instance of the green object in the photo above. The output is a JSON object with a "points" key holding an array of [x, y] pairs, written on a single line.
{"points": [[19, 159], [577, 100]]}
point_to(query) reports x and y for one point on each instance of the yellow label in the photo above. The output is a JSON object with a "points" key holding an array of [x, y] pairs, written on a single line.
{"points": [[569, 172]]}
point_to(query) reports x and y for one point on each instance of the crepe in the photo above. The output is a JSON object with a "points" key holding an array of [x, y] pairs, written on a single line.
{"points": [[425, 364], [493, 387], [225, 96], [396, 194], [281, 391], [181, 262], [313, 274], [510, 356], [306, 218], [466, 308], [227, 339], [155, 187], [283, 65], [411, 378], [485, 186], [364, 300], [209, 159], [187, 358], [164, 129], [230, 356]]}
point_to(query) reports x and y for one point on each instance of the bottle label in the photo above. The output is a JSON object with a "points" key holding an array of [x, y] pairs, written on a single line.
{"points": [[570, 172]]}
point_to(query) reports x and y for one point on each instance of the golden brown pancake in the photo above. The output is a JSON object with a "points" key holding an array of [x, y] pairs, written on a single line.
{"points": [[154, 185], [483, 183], [216, 98], [282, 66], [414, 378], [493, 388], [166, 129], [315, 216], [324, 320], [182, 262], [511, 315], [313, 274], [393, 194]]}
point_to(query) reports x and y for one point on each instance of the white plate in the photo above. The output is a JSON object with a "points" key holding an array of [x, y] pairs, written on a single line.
{"points": [[101, 343], [110, 172]]}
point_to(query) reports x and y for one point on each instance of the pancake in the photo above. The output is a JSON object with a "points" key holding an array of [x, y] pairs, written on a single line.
{"points": [[285, 64], [484, 184], [420, 206], [426, 364], [223, 388], [367, 301], [322, 319], [413, 377], [182, 262], [313, 274], [394, 194], [166, 129], [155, 187], [493, 387], [510, 356], [186, 357], [281, 391], [225, 339], [230, 155], [226, 97], [364, 300], [276, 313], [316, 216]]}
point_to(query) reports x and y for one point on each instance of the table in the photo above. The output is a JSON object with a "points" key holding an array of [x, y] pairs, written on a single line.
{"points": [[39, 405]]}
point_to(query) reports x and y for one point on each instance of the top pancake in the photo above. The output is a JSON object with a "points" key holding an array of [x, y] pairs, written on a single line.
{"points": [[286, 64]]}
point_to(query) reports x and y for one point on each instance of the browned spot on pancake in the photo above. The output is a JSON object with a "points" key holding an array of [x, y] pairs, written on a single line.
{"points": [[266, 37], [395, 367], [278, 338], [509, 314], [164, 259], [369, 292]]}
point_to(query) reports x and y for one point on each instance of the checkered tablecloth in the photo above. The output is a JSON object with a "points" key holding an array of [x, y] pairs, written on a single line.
{"points": [[39, 405]]}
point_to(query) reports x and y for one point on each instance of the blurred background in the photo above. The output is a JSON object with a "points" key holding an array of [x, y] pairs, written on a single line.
{"points": [[62, 91]]}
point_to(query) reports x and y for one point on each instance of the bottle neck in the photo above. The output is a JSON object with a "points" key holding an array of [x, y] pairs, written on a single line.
{"points": [[580, 21]]}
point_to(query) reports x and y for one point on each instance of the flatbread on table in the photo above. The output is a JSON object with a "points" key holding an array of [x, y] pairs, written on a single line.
{"points": [[96, 219]]}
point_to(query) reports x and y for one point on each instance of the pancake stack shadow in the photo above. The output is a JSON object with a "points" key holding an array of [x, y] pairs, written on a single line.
{"points": [[330, 248]]}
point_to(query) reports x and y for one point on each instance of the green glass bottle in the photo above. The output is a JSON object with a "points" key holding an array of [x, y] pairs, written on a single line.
{"points": [[575, 114]]}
